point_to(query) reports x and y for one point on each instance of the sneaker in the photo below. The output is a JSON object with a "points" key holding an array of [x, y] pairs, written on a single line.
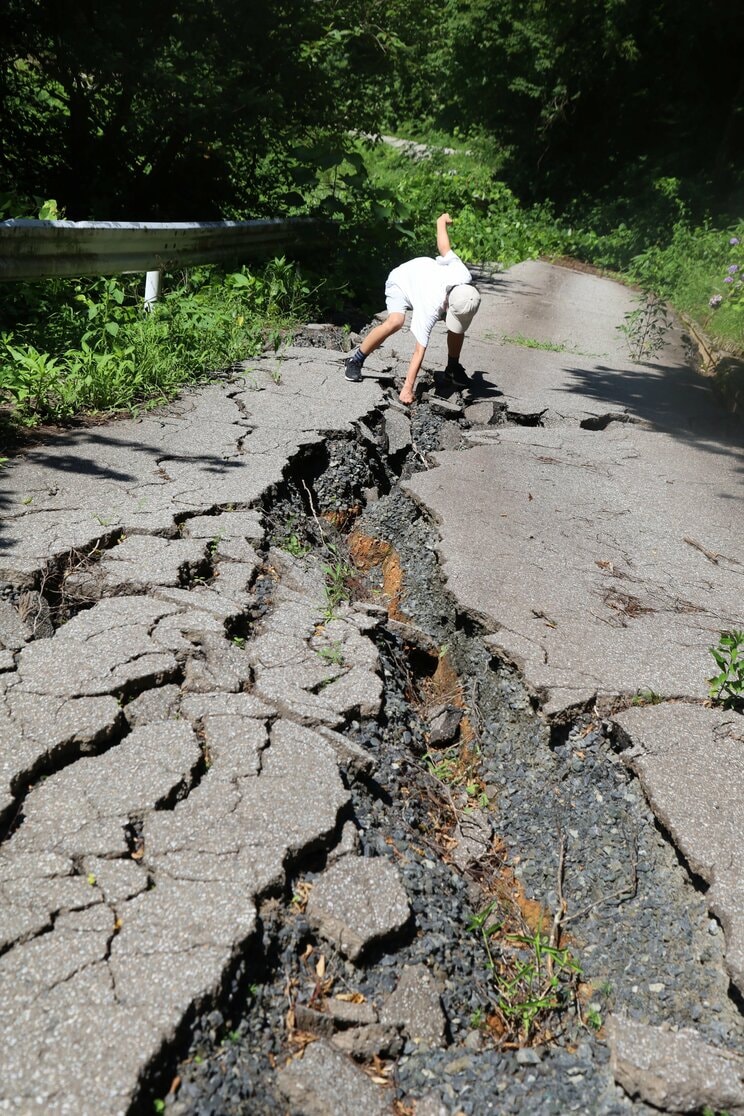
{"points": [[457, 374], [353, 369]]}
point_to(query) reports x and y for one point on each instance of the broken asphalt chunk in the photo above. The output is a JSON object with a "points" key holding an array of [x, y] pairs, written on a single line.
{"points": [[358, 902]]}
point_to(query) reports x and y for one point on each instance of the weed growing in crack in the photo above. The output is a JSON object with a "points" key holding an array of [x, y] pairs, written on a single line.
{"points": [[294, 546], [443, 766], [291, 539], [726, 687], [646, 327], [458, 766], [533, 979], [336, 572], [540, 982], [484, 925], [646, 697], [332, 653], [214, 543], [476, 797]]}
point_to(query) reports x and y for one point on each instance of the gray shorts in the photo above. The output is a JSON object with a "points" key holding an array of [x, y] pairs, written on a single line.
{"points": [[395, 299]]}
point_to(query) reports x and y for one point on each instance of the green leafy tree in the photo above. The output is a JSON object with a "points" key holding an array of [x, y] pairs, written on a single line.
{"points": [[582, 92], [182, 109]]}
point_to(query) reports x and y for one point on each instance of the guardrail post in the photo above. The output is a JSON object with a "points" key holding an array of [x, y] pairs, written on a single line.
{"points": [[153, 283]]}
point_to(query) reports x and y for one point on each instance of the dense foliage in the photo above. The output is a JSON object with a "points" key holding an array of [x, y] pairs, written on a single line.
{"points": [[183, 109], [90, 344], [585, 93], [191, 108]]}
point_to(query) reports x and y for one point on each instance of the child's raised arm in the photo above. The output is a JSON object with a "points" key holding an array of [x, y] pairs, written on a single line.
{"points": [[443, 240]]}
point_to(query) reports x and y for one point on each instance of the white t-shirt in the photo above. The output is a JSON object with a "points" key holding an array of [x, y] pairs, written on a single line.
{"points": [[426, 282]]}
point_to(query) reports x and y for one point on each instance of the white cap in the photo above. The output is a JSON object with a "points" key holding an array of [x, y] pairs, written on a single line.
{"points": [[463, 301]]}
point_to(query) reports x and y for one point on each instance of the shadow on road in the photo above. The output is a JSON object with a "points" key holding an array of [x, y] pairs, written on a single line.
{"points": [[93, 454], [90, 460], [490, 281], [672, 398], [478, 388]]}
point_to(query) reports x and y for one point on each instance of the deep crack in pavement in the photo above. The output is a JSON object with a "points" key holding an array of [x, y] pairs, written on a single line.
{"points": [[280, 802]]}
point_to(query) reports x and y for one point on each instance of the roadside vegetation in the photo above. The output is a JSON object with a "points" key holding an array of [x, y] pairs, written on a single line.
{"points": [[90, 345], [576, 133]]}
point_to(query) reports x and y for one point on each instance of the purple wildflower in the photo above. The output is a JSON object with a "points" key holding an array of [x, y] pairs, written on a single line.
{"points": [[733, 269], [734, 240], [728, 279], [715, 302]]}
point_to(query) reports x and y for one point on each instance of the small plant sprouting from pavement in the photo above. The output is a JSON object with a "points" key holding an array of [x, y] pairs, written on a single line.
{"points": [[292, 540], [458, 767], [646, 697], [646, 327], [443, 765], [214, 543], [332, 653], [726, 686]]}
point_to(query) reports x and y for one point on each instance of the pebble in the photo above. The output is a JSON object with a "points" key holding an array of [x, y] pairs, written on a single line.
{"points": [[528, 1056], [459, 1065]]}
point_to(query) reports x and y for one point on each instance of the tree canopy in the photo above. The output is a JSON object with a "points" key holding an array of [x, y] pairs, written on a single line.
{"points": [[581, 92], [196, 109], [129, 109]]}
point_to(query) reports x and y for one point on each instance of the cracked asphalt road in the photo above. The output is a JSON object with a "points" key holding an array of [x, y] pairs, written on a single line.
{"points": [[158, 774]]}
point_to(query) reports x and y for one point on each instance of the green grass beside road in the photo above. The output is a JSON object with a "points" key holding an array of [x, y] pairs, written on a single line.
{"points": [[79, 346]]}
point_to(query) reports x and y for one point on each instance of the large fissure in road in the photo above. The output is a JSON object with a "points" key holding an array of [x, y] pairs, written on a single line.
{"points": [[315, 773], [542, 897]]}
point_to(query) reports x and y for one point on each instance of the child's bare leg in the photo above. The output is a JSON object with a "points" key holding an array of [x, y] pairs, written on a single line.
{"points": [[380, 333], [372, 341], [454, 344]]}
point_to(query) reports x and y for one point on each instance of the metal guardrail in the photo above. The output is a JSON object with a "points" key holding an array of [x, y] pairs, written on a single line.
{"points": [[46, 249]]}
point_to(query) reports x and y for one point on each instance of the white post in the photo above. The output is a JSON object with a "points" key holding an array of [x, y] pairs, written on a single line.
{"points": [[153, 281]]}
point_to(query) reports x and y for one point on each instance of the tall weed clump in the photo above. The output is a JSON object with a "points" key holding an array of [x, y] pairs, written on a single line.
{"points": [[490, 225], [699, 272], [72, 346]]}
